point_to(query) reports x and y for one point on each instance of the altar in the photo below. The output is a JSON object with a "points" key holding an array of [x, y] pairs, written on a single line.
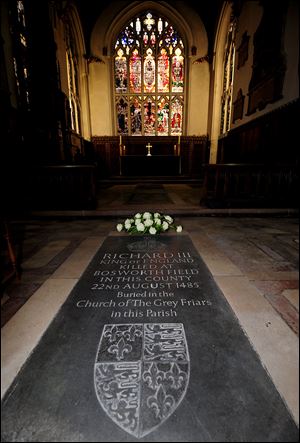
{"points": [[129, 156], [150, 165]]}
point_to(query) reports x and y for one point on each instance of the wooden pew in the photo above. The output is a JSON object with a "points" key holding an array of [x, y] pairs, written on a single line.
{"points": [[250, 185]]}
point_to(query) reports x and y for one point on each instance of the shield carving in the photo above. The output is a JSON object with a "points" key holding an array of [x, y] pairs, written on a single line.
{"points": [[141, 374]]}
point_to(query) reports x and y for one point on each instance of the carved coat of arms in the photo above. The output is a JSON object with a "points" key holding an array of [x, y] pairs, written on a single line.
{"points": [[141, 374]]}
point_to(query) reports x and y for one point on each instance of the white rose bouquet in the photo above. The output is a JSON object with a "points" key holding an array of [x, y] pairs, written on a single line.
{"points": [[148, 223]]}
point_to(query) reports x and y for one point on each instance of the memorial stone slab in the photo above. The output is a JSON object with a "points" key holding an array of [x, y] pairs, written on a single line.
{"points": [[146, 348]]}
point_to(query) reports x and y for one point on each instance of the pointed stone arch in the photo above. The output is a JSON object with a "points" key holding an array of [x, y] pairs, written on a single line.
{"points": [[217, 78], [71, 18], [115, 17]]}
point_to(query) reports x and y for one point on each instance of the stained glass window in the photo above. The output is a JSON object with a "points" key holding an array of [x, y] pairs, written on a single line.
{"points": [[149, 116], [163, 116], [122, 116], [149, 77], [177, 72], [121, 72], [21, 13], [176, 115], [135, 69], [136, 115], [149, 72], [21, 53], [163, 69]]}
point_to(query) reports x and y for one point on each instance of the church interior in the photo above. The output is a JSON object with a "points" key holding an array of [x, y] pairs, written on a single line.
{"points": [[121, 114]]}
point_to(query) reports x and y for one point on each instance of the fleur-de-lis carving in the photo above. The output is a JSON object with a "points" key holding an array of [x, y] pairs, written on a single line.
{"points": [[153, 377], [161, 403], [176, 376], [112, 333], [120, 349], [132, 333]]}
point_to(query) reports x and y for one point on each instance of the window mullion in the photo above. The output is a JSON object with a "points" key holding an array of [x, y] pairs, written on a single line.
{"points": [[128, 94], [142, 88]]}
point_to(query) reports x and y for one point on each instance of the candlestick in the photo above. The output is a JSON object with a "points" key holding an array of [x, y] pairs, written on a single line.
{"points": [[120, 140], [179, 139]]}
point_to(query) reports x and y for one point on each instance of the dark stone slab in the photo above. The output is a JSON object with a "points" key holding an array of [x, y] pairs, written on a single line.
{"points": [[156, 193], [155, 198], [146, 348]]}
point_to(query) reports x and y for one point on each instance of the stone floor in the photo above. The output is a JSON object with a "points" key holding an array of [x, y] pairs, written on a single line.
{"points": [[253, 259], [176, 198]]}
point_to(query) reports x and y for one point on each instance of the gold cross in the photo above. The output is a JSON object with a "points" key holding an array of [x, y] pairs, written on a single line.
{"points": [[149, 149]]}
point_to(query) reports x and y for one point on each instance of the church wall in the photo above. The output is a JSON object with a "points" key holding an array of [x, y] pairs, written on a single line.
{"points": [[248, 22], [198, 97], [217, 75], [82, 77], [59, 37], [59, 24], [100, 98], [291, 45]]}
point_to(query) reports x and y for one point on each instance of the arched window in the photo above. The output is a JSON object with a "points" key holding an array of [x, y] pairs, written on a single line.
{"points": [[149, 77], [229, 62], [19, 30]]}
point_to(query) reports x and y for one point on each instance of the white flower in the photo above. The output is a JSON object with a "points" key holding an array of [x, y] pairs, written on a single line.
{"points": [[140, 227], [169, 219], [148, 222], [165, 226]]}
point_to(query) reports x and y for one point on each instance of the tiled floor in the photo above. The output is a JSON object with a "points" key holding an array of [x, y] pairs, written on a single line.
{"points": [[254, 261]]}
